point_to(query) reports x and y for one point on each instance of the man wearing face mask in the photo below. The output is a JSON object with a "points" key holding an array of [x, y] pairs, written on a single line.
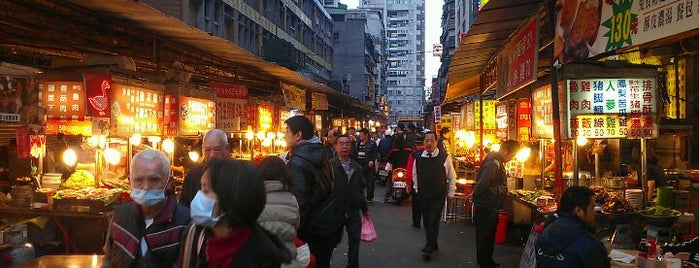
{"points": [[146, 232], [215, 147]]}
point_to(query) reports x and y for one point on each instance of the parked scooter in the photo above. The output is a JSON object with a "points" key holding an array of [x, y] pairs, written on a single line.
{"points": [[399, 184]]}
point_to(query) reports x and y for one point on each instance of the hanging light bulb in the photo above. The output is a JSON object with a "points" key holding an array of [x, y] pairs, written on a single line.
{"points": [[581, 140], [112, 156], [70, 157], [495, 147], [249, 135], [193, 155], [168, 146], [523, 154], [135, 139]]}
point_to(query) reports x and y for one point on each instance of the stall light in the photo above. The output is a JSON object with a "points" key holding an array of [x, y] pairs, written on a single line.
{"points": [[460, 134], [281, 143], [92, 141], [486, 141], [270, 135], [101, 141], [249, 135], [261, 135], [581, 140], [267, 143], [280, 135], [135, 139], [523, 154], [193, 155], [495, 147], [154, 139], [70, 157], [168, 146], [112, 156], [470, 140], [461, 181]]}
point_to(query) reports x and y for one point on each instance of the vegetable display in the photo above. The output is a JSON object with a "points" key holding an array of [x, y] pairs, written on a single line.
{"points": [[80, 179], [660, 212]]}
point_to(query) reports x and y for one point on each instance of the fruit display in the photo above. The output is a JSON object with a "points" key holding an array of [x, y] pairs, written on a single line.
{"points": [[80, 179]]}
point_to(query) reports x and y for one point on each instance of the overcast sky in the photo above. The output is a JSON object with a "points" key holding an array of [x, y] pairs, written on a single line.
{"points": [[433, 15]]}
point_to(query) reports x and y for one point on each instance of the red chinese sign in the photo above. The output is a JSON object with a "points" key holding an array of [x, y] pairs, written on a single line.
{"points": [[524, 120], [67, 127], [171, 116], [136, 110], [518, 60], [229, 91], [62, 99], [98, 89], [612, 105]]}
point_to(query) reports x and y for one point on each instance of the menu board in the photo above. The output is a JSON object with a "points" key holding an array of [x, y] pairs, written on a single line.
{"points": [[610, 106], [196, 115], [68, 127], [136, 110], [62, 99], [506, 119]]}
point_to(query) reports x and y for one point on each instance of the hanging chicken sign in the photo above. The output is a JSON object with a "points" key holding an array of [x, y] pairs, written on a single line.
{"points": [[98, 87]]}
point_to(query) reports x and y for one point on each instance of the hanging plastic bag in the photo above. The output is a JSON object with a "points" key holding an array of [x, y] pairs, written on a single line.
{"points": [[368, 231]]}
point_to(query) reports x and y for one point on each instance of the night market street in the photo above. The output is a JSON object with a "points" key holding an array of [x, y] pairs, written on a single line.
{"points": [[398, 244]]}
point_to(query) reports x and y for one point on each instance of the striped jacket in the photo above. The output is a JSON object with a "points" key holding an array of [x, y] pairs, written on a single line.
{"points": [[123, 243]]}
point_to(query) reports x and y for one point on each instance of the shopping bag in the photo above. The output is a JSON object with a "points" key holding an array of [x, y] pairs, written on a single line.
{"points": [[368, 231], [528, 259]]}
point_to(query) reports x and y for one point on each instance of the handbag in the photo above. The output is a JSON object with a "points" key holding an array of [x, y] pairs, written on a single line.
{"points": [[368, 231]]}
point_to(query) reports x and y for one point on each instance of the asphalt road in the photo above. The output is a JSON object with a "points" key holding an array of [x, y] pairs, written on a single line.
{"points": [[398, 243]]}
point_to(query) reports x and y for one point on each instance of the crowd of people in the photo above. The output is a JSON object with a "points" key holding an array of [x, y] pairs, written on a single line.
{"points": [[290, 211]]}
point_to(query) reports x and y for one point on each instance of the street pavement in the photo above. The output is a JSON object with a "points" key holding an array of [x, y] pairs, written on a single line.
{"points": [[398, 243]]}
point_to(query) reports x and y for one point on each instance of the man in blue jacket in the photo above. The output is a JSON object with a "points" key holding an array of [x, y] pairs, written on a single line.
{"points": [[570, 241]]}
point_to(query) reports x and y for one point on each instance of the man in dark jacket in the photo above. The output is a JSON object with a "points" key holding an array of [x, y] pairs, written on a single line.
{"points": [[312, 181], [215, 147], [488, 195], [350, 183], [570, 241], [147, 232], [366, 156]]}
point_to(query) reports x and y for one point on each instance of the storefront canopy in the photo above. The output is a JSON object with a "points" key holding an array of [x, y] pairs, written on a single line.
{"points": [[496, 21], [463, 88], [134, 13]]}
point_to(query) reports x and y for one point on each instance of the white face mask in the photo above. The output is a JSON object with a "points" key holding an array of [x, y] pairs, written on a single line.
{"points": [[202, 210], [148, 197]]}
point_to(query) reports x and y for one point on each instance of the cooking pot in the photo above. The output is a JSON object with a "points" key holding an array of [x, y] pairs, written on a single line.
{"points": [[584, 178], [616, 182]]}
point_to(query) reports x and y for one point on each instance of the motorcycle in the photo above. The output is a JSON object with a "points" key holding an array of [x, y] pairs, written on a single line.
{"points": [[399, 185], [382, 175]]}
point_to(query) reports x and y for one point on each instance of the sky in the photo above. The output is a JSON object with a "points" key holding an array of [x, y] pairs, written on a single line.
{"points": [[433, 17]]}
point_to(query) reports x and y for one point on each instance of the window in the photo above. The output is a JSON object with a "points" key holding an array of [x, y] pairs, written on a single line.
{"points": [[336, 37]]}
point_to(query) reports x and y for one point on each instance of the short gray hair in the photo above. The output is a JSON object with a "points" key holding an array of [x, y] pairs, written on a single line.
{"points": [[334, 132], [216, 134], [151, 155]]}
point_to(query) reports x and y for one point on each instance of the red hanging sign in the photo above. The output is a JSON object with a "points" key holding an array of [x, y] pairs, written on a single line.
{"points": [[98, 88], [229, 91]]}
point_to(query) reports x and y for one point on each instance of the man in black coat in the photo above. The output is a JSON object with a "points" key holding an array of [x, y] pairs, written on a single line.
{"points": [[350, 183], [215, 147], [312, 181], [367, 152], [570, 241]]}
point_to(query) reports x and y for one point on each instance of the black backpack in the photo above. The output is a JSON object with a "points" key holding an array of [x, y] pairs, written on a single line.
{"points": [[329, 217]]}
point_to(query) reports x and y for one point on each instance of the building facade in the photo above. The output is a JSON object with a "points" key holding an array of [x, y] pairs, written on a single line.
{"points": [[405, 82], [295, 34], [448, 41], [465, 12]]}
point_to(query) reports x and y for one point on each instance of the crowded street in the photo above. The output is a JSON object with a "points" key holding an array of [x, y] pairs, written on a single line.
{"points": [[398, 243]]}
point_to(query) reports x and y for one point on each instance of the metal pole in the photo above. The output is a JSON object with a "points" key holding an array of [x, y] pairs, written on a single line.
{"points": [[597, 171], [644, 184], [542, 160], [558, 162], [576, 169]]}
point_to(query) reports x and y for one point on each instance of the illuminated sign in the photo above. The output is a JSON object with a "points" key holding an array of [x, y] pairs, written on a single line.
{"points": [[98, 88], [136, 110], [265, 117], [63, 100], [196, 115], [612, 105], [68, 127]]}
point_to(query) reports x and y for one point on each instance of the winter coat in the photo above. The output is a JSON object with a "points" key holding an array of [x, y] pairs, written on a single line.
{"points": [[310, 176], [569, 243], [281, 216], [353, 187], [491, 187]]}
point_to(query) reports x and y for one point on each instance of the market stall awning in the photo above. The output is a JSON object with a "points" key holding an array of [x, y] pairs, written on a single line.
{"points": [[463, 88], [495, 23], [136, 14]]}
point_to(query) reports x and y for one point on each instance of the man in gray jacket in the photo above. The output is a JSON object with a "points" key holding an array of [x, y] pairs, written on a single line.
{"points": [[488, 195]]}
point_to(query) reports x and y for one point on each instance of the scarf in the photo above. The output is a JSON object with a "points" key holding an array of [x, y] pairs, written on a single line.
{"points": [[221, 250]]}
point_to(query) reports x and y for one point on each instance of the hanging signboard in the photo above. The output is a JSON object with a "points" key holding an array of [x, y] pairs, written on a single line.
{"points": [[230, 106], [64, 100], [229, 91], [588, 28], [195, 115], [518, 60], [98, 88], [524, 120], [437, 113], [295, 97], [629, 100], [136, 110], [265, 121], [319, 101], [542, 113], [506, 119]]}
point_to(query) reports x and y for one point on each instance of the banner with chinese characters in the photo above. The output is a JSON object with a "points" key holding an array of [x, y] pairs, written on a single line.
{"points": [[231, 114], [524, 120], [601, 98], [542, 113], [518, 59], [634, 126], [98, 88], [265, 121], [473, 115], [196, 115], [229, 91], [294, 96], [64, 100], [136, 110], [587, 28], [506, 119], [319, 101]]}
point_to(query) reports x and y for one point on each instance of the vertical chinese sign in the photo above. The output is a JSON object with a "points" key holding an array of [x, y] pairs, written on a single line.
{"points": [[518, 60], [612, 108], [231, 110], [542, 113], [506, 119], [524, 120]]}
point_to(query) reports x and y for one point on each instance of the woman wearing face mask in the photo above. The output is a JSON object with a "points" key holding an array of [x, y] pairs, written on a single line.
{"points": [[146, 232], [224, 213]]}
